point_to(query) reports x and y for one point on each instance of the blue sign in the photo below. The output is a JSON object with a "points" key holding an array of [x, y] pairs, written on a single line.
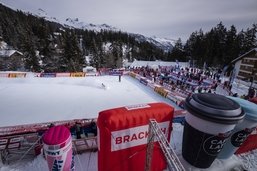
{"points": [[48, 75], [116, 73], [143, 81]]}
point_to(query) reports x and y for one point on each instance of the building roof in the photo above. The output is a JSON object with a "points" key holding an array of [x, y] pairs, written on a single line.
{"points": [[242, 56], [8, 53]]}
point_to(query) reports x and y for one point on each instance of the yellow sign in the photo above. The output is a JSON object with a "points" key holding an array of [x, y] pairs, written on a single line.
{"points": [[77, 74], [161, 91], [14, 75], [133, 75]]}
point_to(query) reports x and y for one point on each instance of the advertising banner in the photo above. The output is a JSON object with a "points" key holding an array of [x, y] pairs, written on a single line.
{"points": [[17, 75], [48, 75], [143, 81], [77, 74], [63, 74], [132, 74], [116, 73], [161, 91], [4, 74]]}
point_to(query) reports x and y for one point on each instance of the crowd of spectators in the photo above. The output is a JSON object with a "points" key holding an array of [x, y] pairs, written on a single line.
{"points": [[188, 80]]}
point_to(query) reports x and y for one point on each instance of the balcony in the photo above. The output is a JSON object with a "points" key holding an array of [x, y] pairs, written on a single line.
{"points": [[245, 71]]}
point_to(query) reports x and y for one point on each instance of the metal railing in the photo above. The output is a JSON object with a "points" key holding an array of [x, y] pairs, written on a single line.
{"points": [[172, 159]]}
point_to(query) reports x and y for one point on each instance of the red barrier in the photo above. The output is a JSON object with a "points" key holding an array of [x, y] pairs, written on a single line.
{"points": [[4, 74], [123, 136], [63, 74]]}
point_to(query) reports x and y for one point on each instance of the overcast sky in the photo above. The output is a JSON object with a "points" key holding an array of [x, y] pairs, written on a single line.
{"points": [[161, 18]]}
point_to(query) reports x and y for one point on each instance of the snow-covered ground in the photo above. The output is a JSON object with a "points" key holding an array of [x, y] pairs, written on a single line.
{"points": [[35, 100]]}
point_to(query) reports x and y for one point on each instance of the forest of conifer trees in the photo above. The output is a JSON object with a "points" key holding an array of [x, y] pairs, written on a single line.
{"points": [[51, 47]]}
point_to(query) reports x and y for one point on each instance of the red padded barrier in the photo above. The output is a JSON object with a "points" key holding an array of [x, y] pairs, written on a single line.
{"points": [[123, 136]]}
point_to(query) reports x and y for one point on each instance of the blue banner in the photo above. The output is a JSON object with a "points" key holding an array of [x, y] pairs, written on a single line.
{"points": [[48, 75], [115, 73], [143, 81]]}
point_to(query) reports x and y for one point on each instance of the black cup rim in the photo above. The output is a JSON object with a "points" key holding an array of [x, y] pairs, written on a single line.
{"points": [[223, 117]]}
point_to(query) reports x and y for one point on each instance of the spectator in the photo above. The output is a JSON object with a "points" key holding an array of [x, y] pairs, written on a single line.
{"points": [[251, 93], [200, 90], [235, 95], [78, 130], [94, 128]]}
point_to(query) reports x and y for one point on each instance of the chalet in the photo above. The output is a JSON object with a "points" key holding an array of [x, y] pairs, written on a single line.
{"points": [[246, 66], [11, 60]]}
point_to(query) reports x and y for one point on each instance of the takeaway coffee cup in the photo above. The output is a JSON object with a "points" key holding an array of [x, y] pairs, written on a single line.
{"points": [[208, 124], [57, 144], [242, 130]]}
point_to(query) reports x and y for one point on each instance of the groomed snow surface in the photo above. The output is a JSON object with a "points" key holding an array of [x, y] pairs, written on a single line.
{"points": [[35, 100]]}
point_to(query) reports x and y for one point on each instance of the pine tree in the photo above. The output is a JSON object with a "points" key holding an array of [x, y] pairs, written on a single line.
{"points": [[72, 60], [97, 55], [194, 48], [116, 50], [232, 45], [249, 41], [178, 52], [31, 60], [220, 42]]}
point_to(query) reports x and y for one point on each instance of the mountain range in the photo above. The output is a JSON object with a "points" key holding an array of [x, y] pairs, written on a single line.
{"points": [[52, 45], [165, 44]]}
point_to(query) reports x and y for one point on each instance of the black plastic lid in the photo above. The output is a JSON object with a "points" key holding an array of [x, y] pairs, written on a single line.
{"points": [[214, 108]]}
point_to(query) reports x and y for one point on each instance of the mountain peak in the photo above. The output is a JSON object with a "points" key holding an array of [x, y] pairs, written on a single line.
{"points": [[42, 14], [163, 43], [166, 41], [76, 23]]}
